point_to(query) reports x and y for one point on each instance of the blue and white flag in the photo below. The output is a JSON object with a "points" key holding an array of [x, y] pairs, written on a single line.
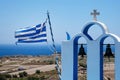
{"points": [[32, 34]]}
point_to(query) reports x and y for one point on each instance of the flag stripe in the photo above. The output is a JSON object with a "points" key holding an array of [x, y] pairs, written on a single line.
{"points": [[30, 35], [29, 28], [42, 40], [25, 29], [24, 33], [42, 34], [36, 39]]}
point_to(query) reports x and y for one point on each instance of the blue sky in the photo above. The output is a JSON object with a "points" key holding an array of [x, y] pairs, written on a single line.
{"points": [[66, 15]]}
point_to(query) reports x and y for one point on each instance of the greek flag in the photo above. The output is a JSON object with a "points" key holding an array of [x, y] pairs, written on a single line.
{"points": [[32, 34]]}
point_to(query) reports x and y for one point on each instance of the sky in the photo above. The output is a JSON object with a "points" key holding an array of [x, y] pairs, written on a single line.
{"points": [[66, 16]]}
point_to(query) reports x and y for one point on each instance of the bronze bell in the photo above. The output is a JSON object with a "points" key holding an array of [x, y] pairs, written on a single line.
{"points": [[82, 51], [108, 52]]}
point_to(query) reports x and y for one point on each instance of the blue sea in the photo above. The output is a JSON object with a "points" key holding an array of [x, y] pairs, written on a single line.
{"points": [[34, 50]]}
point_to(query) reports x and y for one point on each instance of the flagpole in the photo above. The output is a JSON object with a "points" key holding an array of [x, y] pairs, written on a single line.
{"points": [[53, 41], [52, 37], [55, 51]]}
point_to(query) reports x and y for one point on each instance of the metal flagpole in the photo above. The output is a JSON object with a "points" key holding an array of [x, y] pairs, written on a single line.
{"points": [[51, 32], [55, 51], [54, 47]]}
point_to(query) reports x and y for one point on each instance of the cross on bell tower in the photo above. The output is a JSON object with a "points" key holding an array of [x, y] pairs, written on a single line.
{"points": [[95, 13]]}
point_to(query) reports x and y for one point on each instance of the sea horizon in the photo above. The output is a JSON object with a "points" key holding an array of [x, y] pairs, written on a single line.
{"points": [[34, 50]]}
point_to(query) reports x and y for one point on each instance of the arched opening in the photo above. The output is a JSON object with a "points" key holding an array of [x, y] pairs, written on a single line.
{"points": [[94, 25], [82, 59], [95, 31], [108, 50]]}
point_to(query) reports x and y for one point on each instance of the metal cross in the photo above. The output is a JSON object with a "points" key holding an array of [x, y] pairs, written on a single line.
{"points": [[95, 13]]}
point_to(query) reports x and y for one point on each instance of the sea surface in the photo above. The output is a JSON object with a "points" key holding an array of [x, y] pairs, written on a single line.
{"points": [[34, 50]]}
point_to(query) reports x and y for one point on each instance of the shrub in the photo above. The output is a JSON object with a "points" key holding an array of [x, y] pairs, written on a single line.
{"points": [[8, 76], [1, 65], [42, 77], [37, 72], [2, 77], [14, 76], [51, 62], [33, 78], [23, 74]]}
